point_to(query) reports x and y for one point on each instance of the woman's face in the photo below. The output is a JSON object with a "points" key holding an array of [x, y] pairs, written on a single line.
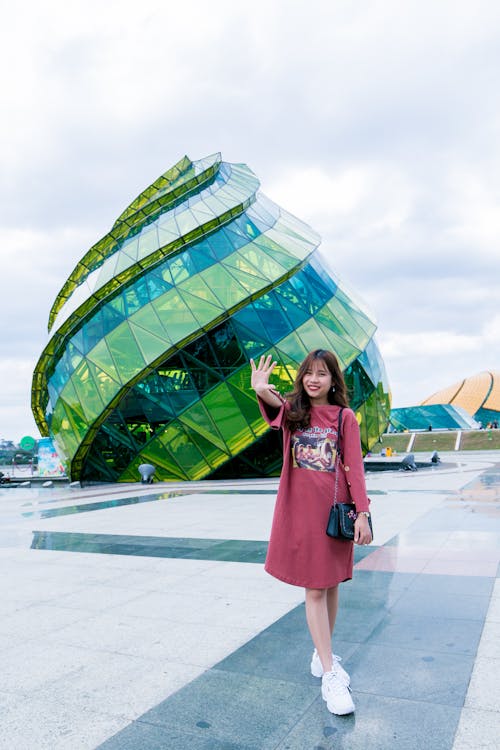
{"points": [[317, 381]]}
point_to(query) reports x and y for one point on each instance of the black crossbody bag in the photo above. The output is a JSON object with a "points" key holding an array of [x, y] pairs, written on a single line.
{"points": [[342, 515]]}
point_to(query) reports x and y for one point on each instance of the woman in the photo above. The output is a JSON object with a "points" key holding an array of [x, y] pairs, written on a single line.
{"points": [[300, 552]]}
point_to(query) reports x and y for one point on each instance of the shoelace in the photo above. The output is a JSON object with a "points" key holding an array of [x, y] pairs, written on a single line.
{"points": [[333, 684]]}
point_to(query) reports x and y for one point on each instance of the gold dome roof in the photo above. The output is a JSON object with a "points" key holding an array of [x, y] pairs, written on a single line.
{"points": [[478, 391]]}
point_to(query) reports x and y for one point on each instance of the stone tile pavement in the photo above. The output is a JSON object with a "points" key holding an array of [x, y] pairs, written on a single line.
{"points": [[141, 617]]}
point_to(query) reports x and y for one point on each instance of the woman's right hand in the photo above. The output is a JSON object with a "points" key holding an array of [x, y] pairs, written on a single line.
{"points": [[260, 377]]}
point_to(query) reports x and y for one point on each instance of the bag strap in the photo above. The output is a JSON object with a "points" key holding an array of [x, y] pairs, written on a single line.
{"points": [[339, 436], [338, 457]]}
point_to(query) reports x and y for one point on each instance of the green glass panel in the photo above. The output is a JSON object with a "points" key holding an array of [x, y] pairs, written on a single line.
{"points": [[101, 356], [248, 281], [261, 260], [150, 345], [175, 315], [71, 398], [197, 287], [354, 316], [226, 413], [125, 352], [209, 451], [66, 434], [106, 385], [327, 319], [236, 260], [184, 452], [157, 454], [312, 336], [344, 350], [78, 425], [284, 239], [292, 346], [352, 328], [203, 311], [248, 406], [87, 391], [147, 319], [224, 286], [58, 416], [241, 380], [197, 418]]}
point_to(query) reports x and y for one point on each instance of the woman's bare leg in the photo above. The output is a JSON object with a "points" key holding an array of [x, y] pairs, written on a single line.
{"points": [[332, 603], [318, 621]]}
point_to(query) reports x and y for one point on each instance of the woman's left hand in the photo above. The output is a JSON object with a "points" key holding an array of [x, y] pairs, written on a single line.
{"points": [[362, 533]]}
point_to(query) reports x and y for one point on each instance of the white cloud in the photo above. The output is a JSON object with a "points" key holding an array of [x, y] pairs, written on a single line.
{"points": [[373, 121], [399, 345]]}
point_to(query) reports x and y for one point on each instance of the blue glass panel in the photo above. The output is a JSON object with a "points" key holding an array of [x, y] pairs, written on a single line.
{"points": [[202, 256], [93, 332], [319, 291], [156, 284], [110, 318], [318, 265], [221, 245], [253, 343], [227, 347], [249, 318], [272, 316]]}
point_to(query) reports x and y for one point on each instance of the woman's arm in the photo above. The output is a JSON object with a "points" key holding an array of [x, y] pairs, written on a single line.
{"points": [[355, 473], [260, 381]]}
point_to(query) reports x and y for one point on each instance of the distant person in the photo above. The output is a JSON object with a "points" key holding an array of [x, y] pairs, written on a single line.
{"points": [[300, 553], [430, 428]]}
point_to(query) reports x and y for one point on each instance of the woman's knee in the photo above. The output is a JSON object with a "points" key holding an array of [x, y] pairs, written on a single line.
{"points": [[315, 595]]}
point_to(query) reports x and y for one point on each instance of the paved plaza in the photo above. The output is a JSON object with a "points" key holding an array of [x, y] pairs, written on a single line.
{"points": [[140, 618]]}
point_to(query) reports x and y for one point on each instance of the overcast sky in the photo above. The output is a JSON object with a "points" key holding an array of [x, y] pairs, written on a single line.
{"points": [[377, 122]]}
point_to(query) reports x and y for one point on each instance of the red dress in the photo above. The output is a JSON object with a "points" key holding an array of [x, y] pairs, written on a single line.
{"points": [[299, 550]]}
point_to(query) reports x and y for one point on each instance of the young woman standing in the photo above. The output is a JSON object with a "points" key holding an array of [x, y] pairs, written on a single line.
{"points": [[300, 552]]}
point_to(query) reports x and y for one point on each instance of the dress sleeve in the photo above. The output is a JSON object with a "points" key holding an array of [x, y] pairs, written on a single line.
{"points": [[353, 460], [274, 416]]}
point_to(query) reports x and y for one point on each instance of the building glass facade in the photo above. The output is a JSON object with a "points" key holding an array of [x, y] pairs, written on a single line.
{"points": [[148, 361]]}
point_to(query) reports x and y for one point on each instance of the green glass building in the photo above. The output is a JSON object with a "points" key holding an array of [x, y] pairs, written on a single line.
{"points": [[151, 335]]}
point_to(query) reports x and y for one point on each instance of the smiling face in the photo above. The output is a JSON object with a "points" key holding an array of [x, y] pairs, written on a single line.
{"points": [[317, 382]]}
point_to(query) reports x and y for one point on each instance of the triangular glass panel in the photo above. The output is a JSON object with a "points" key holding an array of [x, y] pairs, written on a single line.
{"points": [[342, 348], [175, 315], [312, 336], [228, 291], [107, 386], [248, 406], [101, 356], [250, 282], [199, 419], [150, 345], [147, 319], [253, 343], [125, 352]]}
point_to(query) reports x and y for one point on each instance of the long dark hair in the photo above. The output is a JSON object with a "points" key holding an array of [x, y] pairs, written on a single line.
{"points": [[299, 414]]}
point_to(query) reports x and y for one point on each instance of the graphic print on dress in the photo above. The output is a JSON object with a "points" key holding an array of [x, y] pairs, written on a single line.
{"points": [[314, 448]]}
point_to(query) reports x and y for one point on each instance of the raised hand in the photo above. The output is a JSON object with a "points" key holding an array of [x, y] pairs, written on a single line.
{"points": [[260, 380]]}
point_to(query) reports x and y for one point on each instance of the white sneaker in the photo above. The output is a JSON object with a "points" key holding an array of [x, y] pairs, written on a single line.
{"points": [[317, 668], [336, 694]]}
